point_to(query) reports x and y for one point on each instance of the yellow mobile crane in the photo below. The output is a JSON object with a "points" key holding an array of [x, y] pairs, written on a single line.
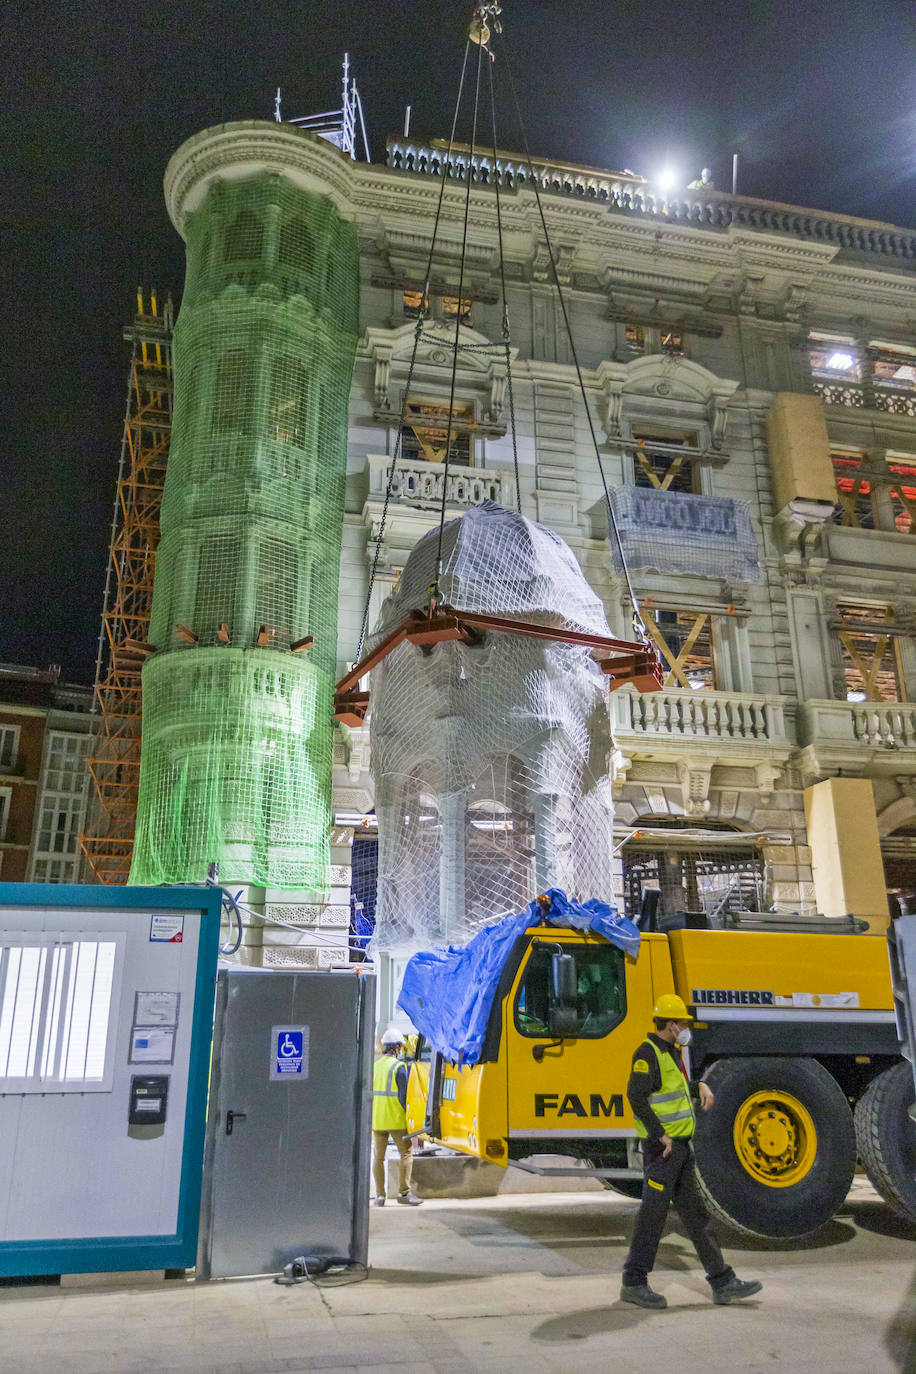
{"points": [[795, 1033]]}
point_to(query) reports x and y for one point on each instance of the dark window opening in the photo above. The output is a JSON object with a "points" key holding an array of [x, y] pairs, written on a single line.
{"points": [[244, 238], [715, 882], [658, 464], [426, 434], [871, 658]]}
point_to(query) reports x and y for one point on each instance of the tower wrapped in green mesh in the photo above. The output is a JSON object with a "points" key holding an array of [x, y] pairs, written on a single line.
{"points": [[237, 728]]}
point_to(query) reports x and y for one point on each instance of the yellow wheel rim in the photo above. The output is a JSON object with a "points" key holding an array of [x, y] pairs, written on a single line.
{"points": [[775, 1138]]}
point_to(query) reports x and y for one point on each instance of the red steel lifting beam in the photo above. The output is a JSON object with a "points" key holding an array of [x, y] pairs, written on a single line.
{"points": [[633, 663]]}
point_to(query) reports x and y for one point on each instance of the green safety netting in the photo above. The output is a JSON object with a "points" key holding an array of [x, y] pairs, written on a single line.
{"points": [[237, 737]]}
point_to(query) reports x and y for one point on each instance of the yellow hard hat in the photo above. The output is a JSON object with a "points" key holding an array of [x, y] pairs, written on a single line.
{"points": [[670, 1007]]}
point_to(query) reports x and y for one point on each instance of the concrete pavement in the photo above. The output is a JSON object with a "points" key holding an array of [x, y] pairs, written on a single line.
{"points": [[514, 1284]]}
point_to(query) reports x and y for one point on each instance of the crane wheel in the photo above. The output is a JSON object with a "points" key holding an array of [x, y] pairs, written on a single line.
{"points": [[886, 1138], [777, 1152]]}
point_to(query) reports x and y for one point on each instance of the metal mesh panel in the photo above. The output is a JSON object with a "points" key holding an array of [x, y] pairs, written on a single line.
{"points": [[490, 761], [237, 732]]}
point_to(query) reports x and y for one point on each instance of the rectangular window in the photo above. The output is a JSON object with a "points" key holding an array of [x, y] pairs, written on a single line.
{"points": [[6, 794], [662, 460], [9, 746], [288, 412], [871, 660], [833, 356], [684, 640], [233, 400], [277, 604], [893, 365], [451, 306], [855, 490], [59, 994], [903, 494], [412, 301], [672, 341], [635, 338], [426, 433]]}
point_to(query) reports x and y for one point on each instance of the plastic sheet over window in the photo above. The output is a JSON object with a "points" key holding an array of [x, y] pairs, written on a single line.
{"points": [[675, 531]]}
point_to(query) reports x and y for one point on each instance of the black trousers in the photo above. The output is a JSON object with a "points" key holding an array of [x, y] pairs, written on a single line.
{"points": [[666, 1181]]}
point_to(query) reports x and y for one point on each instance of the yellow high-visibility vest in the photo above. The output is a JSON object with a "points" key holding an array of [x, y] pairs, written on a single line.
{"points": [[672, 1103], [387, 1112]]}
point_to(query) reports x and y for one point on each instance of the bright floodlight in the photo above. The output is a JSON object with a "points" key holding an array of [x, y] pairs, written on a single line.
{"points": [[667, 178], [840, 362]]}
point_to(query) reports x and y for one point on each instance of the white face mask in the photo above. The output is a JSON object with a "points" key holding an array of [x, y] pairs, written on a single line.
{"points": [[683, 1037]]}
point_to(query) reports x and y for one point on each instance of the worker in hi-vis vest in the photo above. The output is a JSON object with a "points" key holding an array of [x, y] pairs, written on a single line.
{"points": [[389, 1118], [663, 1106]]}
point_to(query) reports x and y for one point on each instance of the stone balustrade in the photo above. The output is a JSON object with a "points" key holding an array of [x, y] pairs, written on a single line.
{"points": [[706, 717], [420, 483], [856, 735], [632, 194]]}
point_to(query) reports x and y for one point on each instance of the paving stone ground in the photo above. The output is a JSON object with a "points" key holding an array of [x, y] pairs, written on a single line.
{"points": [[516, 1284]]}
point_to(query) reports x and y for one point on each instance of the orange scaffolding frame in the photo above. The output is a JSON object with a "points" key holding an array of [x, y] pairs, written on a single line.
{"points": [[114, 765]]}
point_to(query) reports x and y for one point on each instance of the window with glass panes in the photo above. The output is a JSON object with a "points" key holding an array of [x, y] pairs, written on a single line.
{"points": [[9, 746], [61, 805]]}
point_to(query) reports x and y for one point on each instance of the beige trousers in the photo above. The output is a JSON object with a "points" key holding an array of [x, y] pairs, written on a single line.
{"points": [[380, 1145]]}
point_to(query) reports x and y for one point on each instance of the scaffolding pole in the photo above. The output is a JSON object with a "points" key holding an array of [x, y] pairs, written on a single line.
{"points": [[114, 764]]}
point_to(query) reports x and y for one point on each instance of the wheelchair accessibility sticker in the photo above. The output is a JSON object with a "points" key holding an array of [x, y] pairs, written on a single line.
{"points": [[289, 1052]]}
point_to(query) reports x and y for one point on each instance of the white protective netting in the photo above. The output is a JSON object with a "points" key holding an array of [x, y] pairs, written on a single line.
{"points": [[491, 761]]}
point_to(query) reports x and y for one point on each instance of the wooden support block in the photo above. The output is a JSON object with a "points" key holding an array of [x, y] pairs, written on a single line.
{"points": [[187, 635], [299, 646], [264, 636], [222, 633], [350, 707]]}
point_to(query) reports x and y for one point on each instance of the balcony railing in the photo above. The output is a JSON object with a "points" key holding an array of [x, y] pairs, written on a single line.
{"points": [[857, 725], [702, 716], [420, 483], [858, 395], [631, 194]]}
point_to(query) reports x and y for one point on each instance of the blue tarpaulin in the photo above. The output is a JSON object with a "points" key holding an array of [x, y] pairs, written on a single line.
{"points": [[448, 993]]}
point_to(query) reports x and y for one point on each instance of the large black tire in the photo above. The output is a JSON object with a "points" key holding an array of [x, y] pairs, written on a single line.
{"points": [[886, 1137], [733, 1192]]}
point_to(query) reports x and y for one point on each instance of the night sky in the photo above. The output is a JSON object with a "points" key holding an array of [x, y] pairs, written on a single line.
{"points": [[819, 99]]}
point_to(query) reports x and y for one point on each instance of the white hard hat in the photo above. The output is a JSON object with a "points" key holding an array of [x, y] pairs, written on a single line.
{"points": [[392, 1036]]}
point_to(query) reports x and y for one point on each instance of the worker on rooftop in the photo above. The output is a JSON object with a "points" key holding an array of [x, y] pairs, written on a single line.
{"points": [[703, 182], [660, 1095]]}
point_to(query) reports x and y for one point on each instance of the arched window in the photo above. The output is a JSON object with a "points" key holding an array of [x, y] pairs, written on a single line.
{"points": [[296, 247], [244, 238], [233, 399]]}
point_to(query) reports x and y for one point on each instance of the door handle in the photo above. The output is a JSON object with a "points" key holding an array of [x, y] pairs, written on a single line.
{"points": [[232, 1118]]}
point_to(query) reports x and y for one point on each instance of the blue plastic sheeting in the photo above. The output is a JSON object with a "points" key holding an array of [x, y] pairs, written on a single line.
{"points": [[448, 993]]}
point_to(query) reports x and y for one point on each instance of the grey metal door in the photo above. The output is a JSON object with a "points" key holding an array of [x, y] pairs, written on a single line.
{"points": [[289, 1124]]}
